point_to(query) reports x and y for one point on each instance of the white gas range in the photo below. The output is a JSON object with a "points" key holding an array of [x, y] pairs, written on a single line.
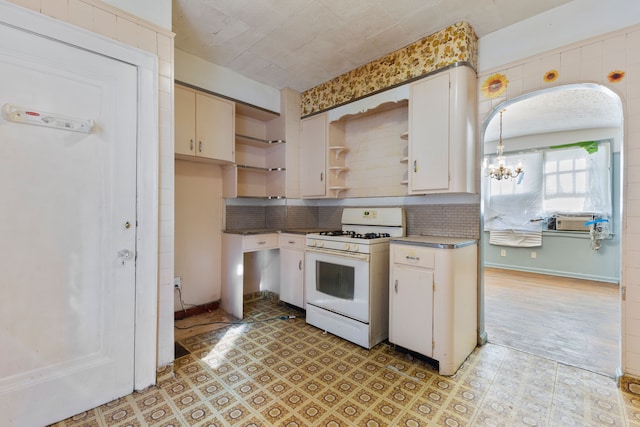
{"points": [[347, 275]]}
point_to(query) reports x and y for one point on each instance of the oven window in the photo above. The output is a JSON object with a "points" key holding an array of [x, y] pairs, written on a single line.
{"points": [[335, 280]]}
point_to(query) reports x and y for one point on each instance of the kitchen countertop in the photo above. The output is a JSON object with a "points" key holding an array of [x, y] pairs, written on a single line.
{"points": [[250, 232], [435, 241]]}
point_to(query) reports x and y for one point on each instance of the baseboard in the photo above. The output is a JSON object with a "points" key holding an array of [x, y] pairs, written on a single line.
{"points": [[629, 383], [554, 273], [192, 311]]}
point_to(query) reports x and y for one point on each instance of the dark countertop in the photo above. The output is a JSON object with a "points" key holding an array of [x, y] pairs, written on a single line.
{"points": [[434, 241], [250, 232]]}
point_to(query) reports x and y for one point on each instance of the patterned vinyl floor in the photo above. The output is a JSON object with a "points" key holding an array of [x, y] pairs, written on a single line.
{"points": [[286, 373]]}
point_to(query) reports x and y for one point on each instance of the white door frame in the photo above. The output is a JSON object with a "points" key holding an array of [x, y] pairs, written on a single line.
{"points": [[146, 307]]}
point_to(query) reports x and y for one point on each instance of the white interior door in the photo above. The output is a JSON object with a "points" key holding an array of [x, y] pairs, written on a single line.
{"points": [[67, 306]]}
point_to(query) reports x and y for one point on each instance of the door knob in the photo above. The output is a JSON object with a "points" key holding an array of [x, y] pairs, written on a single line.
{"points": [[124, 255]]}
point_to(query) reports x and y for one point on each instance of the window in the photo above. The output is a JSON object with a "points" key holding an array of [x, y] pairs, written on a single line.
{"points": [[573, 179], [577, 181]]}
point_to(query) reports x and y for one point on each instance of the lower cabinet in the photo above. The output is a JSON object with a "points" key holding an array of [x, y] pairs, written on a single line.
{"points": [[411, 300], [292, 269], [433, 298]]}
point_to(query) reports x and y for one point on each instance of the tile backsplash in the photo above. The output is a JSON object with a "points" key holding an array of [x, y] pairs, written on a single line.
{"points": [[450, 220]]}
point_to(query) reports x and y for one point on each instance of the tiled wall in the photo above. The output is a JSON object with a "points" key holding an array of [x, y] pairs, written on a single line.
{"points": [[374, 153], [613, 61], [111, 22], [457, 220], [456, 43]]}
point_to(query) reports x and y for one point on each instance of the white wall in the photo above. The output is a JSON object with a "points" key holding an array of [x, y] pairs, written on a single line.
{"points": [[591, 60], [198, 72], [155, 11], [569, 23], [199, 209]]}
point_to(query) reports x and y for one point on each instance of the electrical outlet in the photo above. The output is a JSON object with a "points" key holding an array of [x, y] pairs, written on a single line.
{"points": [[503, 252], [177, 282], [534, 255]]}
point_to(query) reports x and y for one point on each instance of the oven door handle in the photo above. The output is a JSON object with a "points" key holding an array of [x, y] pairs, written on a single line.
{"points": [[343, 254]]}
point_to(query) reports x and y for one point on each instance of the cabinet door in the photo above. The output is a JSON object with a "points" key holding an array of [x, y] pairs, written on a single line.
{"points": [[215, 128], [313, 149], [429, 135], [292, 277], [185, 120], [411, 309]]}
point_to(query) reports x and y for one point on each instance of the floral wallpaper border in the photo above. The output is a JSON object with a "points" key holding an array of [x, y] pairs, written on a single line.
{"points": [[456, 43]]}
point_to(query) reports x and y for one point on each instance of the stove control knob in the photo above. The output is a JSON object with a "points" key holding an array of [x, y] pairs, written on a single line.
{"points": [[320, 244], [312, 243], [355, 248], [347, 246]]}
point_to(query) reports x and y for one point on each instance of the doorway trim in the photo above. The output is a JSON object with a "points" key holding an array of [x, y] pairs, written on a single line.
{"points": [[146, 293], [482, 333]]}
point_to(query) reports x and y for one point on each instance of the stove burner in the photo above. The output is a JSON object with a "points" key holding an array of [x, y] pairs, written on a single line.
{"points": [[354, 235]]}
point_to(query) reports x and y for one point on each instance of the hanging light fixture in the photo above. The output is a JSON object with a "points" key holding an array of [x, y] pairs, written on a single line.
{"points": [[502, 171]]}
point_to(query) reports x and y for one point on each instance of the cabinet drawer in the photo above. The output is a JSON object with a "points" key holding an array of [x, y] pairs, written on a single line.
{"points": [[412, 255], [292, 241], [259, 241]]}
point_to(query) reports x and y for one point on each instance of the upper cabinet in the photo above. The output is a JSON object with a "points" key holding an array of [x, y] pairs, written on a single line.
{"points": [[204, 126], [441, 149], [322, 157]]}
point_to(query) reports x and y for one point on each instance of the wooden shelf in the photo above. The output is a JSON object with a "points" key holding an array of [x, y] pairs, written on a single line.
{"points": [[338, 150], [337, 170], [257, 142], [260, 169], [338, 190]]}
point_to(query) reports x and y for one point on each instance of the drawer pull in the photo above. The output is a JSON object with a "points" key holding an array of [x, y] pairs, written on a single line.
{"points": [[191, 145], [396, 286], [300, 265], [413, 258], [200, 146], [262, 242], [292, 242]]}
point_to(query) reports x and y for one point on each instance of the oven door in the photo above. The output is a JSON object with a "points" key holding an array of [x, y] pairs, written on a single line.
{"points": [[338, 281]]}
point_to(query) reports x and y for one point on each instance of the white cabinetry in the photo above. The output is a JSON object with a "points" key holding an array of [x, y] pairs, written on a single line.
{"points": [[433, 298], [442, 117], [260, 157], [292, 269], [322, 151], [248, 265], [204, 126]]}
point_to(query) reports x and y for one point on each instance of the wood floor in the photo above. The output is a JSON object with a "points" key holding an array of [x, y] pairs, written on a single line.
{"points": [[572, 321]]}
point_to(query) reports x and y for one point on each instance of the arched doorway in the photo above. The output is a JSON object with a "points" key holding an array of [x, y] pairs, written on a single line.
{"points": [[534, 122]]}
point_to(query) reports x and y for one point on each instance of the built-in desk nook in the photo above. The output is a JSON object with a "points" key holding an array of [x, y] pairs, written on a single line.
{"points": [[250, 263]]}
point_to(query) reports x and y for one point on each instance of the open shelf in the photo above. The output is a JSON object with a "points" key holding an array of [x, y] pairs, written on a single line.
{"points": [[337, 170], [338, 190], [338, 150], [257, 142], [261, 169]]}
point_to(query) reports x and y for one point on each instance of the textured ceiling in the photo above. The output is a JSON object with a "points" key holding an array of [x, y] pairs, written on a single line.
{"points": [[302, 43], [578, 107]]}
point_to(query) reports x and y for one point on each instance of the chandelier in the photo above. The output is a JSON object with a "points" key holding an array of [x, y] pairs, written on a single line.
{"points": [[503, 171]]}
